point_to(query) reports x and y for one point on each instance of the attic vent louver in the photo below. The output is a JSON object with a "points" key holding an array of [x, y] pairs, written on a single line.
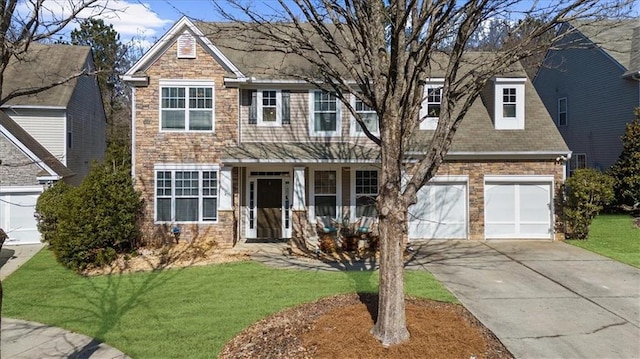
{"points": [[186, 46]]}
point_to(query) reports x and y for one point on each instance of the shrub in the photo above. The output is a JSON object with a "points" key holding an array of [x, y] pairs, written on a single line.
{"points": [[48, 208], [587, 191], [626, 170], [98, 219]]}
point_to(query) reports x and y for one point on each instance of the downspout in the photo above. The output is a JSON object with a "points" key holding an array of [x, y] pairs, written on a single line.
{"points": [[133, 133]]}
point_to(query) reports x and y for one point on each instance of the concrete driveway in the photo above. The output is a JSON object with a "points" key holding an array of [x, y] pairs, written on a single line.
{"points": [[542, 299]]}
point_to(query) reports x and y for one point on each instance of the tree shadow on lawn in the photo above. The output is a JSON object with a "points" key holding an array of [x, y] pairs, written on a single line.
{"points": [[110, 297]]}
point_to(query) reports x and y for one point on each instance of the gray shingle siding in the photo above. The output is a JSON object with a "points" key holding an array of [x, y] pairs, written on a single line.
{"points": [[599, 101]]}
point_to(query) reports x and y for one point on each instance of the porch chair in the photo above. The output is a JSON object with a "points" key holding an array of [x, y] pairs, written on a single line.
{"points": [[327, 230]]}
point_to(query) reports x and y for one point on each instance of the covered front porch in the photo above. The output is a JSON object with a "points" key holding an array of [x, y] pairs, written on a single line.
{"points": [[284, 189]]}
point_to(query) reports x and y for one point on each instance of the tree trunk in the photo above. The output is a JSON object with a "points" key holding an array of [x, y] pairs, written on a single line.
{"points": [[391, 327]]}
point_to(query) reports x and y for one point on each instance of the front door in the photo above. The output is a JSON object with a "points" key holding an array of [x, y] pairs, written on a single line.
{"points": [[269, 203]]}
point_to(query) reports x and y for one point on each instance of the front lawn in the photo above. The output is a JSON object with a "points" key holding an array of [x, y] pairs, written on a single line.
{"points": [[613, 236], [179, 313]]}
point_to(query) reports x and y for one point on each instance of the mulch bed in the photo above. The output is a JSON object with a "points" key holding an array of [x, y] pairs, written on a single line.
{"points": [[338, 327]]}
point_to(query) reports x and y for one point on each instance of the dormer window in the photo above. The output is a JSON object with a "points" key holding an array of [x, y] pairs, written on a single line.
{"points": [[509, 103], [430, 111]]}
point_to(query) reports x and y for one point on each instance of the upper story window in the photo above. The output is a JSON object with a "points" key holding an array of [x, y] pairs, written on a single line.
{"points": [[509, 103], [186, 195], [186, 107], [368, 116], [269, 107], [324, 110], [430, 111], [562, 111]]}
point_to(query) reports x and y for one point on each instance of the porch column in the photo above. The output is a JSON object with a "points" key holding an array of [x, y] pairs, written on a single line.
{"points": [[298, 189], [225, 197]]}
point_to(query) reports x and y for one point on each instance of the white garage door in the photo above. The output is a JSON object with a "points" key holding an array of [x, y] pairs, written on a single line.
{"points": [[16, 217], [520, 210], [440, 212]]}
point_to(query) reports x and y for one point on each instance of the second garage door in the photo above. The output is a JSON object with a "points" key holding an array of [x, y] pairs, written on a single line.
{"points": [[440, 212], [518, 210]]}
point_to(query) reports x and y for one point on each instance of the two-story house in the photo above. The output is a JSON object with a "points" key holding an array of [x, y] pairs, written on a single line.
{"points": [[590, 84], [226, 146], [49, 135]]}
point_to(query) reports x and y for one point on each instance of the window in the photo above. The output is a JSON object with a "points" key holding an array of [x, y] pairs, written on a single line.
{"points": [[366, 192], [430, 111], [325, 113], [434, 96], [509, 102], [368, 115], [186, 196], [578, 161], [269, 111], [69, 139], [562, 111], [325, 193], [509, 105], [186, 108]]}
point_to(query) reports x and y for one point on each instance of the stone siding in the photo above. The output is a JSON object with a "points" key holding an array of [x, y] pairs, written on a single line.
{"points": [[155, 147], [16, 169]]}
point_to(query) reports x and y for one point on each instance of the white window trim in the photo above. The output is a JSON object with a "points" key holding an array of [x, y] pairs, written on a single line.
{"points": [[187, 84], [312, 131], [259, 107], [566, 112], [352, 207], [353, 128], [426, 122], [180, 168], [509, 123], [312, 193]]}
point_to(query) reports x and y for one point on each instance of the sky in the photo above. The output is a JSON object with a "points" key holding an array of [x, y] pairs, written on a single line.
{"points": [[147, 20]]}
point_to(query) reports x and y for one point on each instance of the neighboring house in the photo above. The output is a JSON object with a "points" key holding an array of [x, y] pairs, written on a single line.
{"points": [[226, 147], [590, 86], [47, 136]]}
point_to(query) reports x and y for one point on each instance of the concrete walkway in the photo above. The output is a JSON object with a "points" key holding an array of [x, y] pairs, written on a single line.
{"points": [[20, 339], [542, 299]]}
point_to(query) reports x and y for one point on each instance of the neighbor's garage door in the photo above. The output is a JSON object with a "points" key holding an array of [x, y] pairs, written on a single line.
{"points": [[518, 210], [440, 212], [16, 217]]}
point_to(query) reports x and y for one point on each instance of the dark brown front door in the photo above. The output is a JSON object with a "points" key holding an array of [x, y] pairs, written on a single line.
{"points": [[269, 198]]}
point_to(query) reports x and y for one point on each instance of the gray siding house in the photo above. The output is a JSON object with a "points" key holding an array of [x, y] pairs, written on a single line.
{"points": [[46, 136], [590, 86]]}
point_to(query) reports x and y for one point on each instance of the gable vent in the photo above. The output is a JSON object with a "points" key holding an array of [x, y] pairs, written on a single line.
{"points": [[186, 46]]}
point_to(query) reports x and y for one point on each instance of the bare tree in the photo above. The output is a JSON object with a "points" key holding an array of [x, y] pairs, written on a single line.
{"points": [[25, 22], [382, 52]]}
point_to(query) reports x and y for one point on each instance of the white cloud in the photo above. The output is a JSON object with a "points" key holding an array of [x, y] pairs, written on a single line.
{"points": [[131, 19]]}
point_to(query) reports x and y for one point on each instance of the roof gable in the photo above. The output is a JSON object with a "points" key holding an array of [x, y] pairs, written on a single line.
{"points": [[619, 39], [184, 24], [32, 148]]}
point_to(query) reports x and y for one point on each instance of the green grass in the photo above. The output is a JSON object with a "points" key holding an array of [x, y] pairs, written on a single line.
{"points": [[613, 236], [180, 313]]}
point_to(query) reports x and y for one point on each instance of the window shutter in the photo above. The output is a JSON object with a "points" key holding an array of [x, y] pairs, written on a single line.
{"points": [[286, 112], [253, 107]]}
